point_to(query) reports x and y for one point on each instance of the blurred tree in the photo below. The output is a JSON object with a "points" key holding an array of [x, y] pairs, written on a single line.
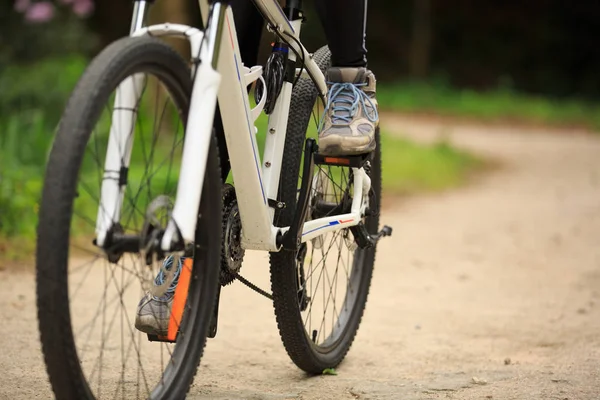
{"points": [[111, 20], [30, 30], [539, 46], [420, 45], [175, 11]]}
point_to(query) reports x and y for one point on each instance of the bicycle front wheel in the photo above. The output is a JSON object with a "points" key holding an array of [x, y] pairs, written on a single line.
{"points": [[320, 291], [87, 304]]}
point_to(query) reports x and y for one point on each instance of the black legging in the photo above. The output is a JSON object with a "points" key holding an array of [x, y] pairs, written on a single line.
{"points": [[344, 23]]}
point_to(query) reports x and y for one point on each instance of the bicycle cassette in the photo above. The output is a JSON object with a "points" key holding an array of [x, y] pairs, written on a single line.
{"points": [[232, 253]]}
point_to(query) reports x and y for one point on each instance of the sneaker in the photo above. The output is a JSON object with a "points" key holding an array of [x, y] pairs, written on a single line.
{"points": [[350, 117], [154, 311]]}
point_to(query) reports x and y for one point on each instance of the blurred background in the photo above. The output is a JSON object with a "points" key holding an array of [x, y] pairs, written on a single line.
{"points": [[490, 291], [532, 62]]}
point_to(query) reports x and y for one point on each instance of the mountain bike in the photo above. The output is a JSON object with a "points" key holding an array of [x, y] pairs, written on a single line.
{"points": [[156, 157]]}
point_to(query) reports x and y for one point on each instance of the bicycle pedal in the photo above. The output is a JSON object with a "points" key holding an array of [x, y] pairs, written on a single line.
{"points": [[156, 338], [356, 161], [364, 239], [385, 231]]}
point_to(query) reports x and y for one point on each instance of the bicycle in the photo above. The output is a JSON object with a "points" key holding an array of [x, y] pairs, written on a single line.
{"points": [[292, 202]]}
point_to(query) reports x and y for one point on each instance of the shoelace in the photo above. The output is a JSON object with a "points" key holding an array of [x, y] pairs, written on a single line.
{"points": [[343, 99], [160, 278]]}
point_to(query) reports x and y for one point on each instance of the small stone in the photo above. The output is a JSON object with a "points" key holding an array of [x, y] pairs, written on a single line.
{"points": [[417, 327], [489, 396], [557, 239], [507, 361], [478, 381], [581, 310]]}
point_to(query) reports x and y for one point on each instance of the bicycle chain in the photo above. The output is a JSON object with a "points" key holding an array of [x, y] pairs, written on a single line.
{"points": [[231, 249], [253, 286]]}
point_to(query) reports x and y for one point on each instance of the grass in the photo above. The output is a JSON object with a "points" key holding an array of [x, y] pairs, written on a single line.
{"points": [[494, 105], [409, 167]]}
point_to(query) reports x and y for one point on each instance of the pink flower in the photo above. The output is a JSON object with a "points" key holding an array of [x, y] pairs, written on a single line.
{"points": [[83, 8], [40, 12], [22, 5]]}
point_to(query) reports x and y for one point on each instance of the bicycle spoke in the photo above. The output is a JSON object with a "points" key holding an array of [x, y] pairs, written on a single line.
{"points": [[326, 269], [110, 324]]}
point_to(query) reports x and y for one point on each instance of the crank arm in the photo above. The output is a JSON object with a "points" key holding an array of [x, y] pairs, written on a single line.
{"points": [[212, 329]]}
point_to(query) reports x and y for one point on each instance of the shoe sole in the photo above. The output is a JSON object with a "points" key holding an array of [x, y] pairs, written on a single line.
{"points": [[148, 329], [342, 146]]}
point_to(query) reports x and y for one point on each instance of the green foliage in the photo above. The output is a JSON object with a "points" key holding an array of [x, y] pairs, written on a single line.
{"points": [[499, 104], [21, 173], [23, 42], [42, 87], [31, 101]]}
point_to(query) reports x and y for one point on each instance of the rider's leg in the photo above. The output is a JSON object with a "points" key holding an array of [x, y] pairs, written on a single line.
{"points": [[348, 126], [249, 25], [344, 23]]}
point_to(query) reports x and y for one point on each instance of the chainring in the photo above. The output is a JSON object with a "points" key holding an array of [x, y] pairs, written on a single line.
{"points": [[232, 253]]}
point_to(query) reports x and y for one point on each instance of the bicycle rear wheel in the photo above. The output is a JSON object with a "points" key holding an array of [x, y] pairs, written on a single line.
{"points": [[86, 303], [320, 291]]}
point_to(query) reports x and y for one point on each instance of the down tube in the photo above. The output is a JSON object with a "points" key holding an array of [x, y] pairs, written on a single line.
{"points": [[242, 146]]}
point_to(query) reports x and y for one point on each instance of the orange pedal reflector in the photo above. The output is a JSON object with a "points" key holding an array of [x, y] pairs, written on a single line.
{"points": [[179, 299], [336, 160], [356, 161]]}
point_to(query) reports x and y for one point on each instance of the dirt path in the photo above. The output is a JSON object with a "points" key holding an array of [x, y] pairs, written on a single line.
{"points": [[487, 292]]}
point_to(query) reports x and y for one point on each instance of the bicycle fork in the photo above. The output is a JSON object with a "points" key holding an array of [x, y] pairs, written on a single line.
{"points": [[118, 154]]}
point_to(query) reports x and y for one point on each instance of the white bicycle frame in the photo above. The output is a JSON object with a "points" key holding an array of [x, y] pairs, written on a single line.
{"points": [[221, 75]]}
